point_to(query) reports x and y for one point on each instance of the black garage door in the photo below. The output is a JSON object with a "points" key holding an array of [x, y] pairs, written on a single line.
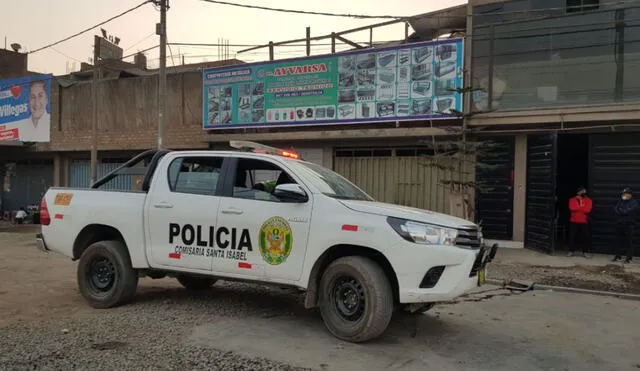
{"points": [[494, 199], [541, 192], [614, 164]]}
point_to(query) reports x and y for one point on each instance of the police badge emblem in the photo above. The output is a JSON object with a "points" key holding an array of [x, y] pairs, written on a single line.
{"points": [[275, 240]]}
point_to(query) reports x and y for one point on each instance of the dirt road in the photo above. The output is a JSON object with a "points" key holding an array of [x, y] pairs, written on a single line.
{"points": [[46, 325]]}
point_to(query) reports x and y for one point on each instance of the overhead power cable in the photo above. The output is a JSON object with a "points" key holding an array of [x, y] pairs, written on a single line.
{"points": [[359, 16], [65, 55], [186, 100], [629, 4], [90, 28], [140, 41]]}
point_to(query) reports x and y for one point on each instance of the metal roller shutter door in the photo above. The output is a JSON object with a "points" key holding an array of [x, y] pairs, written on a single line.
{"points": [[80, 175], [614, 164], [495, 204]]}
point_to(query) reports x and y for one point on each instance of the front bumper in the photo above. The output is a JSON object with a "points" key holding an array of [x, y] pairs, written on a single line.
{"points": [[40, 243], [464, 270]]}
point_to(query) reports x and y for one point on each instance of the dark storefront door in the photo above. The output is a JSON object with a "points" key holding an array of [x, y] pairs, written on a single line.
{"points": [[27, 184], [614, 164], [541, 192], [494, 199]]}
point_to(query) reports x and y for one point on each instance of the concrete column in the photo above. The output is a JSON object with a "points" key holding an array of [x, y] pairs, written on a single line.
{"points": [[2, 175], [520, 188], [468, 76], [64, 176], [57, 169], [327, 157]]}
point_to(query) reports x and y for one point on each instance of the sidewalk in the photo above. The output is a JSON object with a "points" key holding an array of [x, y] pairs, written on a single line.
{"points": [[596, 273], [559, 260], [9, 227]]}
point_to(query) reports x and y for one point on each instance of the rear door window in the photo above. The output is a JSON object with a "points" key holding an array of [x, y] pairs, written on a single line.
{"points": [[195, 175]]}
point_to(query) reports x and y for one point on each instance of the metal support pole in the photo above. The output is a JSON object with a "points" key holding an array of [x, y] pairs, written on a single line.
{"points": [[406, 32], [94, 113], [161, 30], [333, 43], [270, 50], [619, 55], [492, 35], [308, 41]]}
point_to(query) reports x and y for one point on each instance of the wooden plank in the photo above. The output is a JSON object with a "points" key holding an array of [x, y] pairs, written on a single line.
{"points": [[347, 41], [358, 29]]}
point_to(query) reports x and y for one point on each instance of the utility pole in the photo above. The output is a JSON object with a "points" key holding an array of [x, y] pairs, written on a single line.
{"points": [[161, 29], [94, 121]]}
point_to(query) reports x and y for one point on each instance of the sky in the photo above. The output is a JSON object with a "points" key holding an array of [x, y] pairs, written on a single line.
{"points": [[35, 23]]}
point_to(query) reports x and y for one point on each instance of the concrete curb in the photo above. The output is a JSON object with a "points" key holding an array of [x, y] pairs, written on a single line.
{"points": [[536, 286]]}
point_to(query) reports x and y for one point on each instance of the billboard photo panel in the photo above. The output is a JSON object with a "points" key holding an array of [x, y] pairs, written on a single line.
{"points": [[407, 82], [25, 109]]}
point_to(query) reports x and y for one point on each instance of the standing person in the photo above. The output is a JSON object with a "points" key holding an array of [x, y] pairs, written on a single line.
{"points": [[580, 207], [625, 210]]}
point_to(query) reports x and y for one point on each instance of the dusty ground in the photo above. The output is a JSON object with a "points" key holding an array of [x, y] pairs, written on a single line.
{"points": [[592, 274], [45, 325]]}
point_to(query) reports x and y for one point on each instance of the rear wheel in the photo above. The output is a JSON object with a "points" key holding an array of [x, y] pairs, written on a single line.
{"points": [[196, 283], [105, 276], [356, 300]]}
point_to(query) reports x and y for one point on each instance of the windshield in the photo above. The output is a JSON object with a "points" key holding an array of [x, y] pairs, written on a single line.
{"points": [[331, 183]]}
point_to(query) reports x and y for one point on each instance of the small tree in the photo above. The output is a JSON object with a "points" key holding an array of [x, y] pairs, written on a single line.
{"points": [[460, 152]]}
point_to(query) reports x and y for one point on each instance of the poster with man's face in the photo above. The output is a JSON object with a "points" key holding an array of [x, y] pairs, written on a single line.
{"points": [[25, 109]]}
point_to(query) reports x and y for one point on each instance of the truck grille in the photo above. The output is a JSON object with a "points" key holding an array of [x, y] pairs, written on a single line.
{"points": [[477, 264], [469, 238]]}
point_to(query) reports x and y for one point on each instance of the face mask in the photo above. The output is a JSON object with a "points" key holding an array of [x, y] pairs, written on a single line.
{"points": [[625, 197]]}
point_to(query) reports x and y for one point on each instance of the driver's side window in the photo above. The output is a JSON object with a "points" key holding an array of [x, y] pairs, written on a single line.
{"points": [[257, 179]]}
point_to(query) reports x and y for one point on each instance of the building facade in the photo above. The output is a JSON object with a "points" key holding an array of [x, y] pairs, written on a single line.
{"points": [[553, 84], [384, 157], [561, 83]]}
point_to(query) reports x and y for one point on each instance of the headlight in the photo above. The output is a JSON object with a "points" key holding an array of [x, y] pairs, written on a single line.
{"points": [[424, 234]]}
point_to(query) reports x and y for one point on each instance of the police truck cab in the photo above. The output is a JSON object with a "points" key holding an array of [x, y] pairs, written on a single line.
{"points": [[261, 214]]}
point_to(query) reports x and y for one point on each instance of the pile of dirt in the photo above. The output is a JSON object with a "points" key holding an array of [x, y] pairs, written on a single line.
{"points": [[611, 277]]}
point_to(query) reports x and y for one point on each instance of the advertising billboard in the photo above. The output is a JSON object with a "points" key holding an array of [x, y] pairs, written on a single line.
{"points": [[408, 82], [25, 109]]}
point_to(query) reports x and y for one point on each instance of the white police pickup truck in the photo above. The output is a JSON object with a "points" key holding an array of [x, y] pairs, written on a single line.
{"points": [[200, 216]]}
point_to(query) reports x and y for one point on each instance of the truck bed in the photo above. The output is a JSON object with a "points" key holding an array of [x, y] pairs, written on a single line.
{"points": [[70, 208]]}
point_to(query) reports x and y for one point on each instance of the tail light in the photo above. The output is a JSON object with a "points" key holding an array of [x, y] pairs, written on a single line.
{"points": [[45, 218]]}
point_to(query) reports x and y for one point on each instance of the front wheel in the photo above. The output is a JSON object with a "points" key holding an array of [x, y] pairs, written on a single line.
{"points": [[105, 276], [356, 300]]}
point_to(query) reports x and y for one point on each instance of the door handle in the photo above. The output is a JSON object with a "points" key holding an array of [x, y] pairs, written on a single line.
{"points": [[232, 211], [163, 205]]}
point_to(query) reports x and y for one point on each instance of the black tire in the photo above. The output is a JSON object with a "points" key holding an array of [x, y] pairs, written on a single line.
{"points": [[360, 279], [196, 283], [105, 276]]}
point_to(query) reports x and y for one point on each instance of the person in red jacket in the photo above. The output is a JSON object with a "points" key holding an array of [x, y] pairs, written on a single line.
{"points": [[580, 207]]}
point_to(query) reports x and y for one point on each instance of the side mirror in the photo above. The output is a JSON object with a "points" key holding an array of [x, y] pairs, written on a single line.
{"points": [[291, 192]]}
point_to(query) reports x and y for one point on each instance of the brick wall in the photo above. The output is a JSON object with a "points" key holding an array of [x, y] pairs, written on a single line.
{"points": [[127, 114], [12, 64]]}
